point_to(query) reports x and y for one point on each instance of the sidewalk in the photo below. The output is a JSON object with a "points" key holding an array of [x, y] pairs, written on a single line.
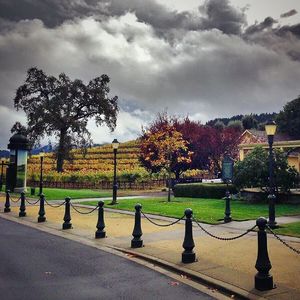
{"points": [[226, 265]]}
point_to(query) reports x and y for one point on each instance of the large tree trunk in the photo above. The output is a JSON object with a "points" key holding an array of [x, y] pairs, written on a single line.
{"points": [[61, 151], [177, 175]]}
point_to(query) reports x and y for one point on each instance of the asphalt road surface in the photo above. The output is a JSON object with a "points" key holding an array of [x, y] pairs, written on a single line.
{"points": [[37, 265]]}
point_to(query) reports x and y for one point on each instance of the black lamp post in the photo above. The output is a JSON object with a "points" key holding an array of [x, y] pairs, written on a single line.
{"points": [[270, 128], [115, 145], [42, 154], [1, 178]]}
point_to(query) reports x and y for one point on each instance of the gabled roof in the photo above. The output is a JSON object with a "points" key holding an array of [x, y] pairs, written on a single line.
{"points": [[253, 136]]}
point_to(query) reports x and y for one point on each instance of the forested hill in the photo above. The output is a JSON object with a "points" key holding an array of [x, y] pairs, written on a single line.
{"points": [[260, 118]]}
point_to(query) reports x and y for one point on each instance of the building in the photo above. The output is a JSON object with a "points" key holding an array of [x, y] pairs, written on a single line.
{"points": [[252, 138]]}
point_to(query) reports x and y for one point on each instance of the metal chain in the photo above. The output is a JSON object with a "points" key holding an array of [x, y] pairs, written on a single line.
{"points": [[162, 225], [282, 241], [15, 201], [55, 206], [32, 203], [83, 213], [223, 238]]}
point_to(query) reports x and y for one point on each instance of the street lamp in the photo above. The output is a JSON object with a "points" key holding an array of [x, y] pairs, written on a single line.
{"points": [[42, 154], [1, 179], [270, 128], [115, 145]]}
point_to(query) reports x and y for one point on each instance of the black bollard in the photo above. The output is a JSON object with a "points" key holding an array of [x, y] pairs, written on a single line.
{"points": [[100, 233], [22, 212], [42, 217], [137, 242], [263, 280], [7, 203], [227, 215], [188, 255], [67, 216]]}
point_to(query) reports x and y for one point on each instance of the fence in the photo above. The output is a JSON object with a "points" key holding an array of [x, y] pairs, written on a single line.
{"points": [[263, 280], [122, 184]]}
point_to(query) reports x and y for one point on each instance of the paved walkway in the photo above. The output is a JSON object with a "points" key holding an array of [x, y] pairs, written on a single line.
{"points": [[228, 265]]}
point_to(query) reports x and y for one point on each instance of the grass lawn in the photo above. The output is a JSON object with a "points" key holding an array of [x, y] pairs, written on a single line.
{"points": [[292, 229], [58, 194], [205, 210]]}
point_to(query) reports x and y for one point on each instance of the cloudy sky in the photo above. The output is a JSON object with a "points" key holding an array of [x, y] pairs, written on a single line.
{"points": [[204, 58]]}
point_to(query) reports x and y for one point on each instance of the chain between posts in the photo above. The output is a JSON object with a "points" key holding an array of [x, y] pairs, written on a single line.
{"points": [[12, 200], [223, 238], [81, 212], [282, 241], [163, 225], [55, 206], [32, 203]]}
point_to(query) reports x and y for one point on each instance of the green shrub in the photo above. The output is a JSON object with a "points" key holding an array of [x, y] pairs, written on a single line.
{"points": [[202, 190], [253, 171]]}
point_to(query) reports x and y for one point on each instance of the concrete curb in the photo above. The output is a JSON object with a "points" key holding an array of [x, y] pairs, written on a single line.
{"points": [[226, 288]]}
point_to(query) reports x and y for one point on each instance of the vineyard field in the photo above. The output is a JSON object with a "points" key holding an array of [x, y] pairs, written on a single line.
{"points": [[94, 165]]}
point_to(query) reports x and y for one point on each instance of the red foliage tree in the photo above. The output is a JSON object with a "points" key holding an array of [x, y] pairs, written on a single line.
{"points": [[163, 147], [207, 143], [222, 142], [198, 137]]}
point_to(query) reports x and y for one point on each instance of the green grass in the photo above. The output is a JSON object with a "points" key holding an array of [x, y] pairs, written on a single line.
{"points": [[58, 194], [205, 210], [292, 229]]}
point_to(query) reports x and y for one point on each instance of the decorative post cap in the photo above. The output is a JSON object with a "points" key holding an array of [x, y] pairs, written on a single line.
{"points": [[188, 212], [261, 222], [138, 207]]}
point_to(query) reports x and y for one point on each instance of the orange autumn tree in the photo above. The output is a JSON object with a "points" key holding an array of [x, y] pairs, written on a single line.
{"points": [[164, 148]]}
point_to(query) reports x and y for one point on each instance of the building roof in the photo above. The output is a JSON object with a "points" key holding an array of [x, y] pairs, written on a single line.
{"points": [[253, 136]]}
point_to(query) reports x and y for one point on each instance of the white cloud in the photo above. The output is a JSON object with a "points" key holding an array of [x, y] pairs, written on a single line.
{"points": [[128, 127]]}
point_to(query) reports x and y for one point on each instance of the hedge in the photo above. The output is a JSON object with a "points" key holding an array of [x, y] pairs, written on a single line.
{"points": [[202, 190]]}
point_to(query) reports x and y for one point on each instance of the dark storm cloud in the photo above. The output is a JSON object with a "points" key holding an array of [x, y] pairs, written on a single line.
{"points": [[221, 15], [267, 23], [212, 14], [286, 30], [55, 12], [157, 15], [290, 13], [282, 39], [51, 12]]}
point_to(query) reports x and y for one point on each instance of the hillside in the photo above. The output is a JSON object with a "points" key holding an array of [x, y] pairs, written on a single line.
{"points": [[260, 118], [96, 164]]}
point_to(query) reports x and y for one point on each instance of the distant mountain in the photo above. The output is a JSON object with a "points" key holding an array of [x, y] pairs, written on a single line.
{"points": [[261, 118], [46, 149], [49, 148], [4, 153]]}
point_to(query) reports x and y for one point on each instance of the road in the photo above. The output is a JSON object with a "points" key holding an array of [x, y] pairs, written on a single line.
{"points": [[38, 265]]}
